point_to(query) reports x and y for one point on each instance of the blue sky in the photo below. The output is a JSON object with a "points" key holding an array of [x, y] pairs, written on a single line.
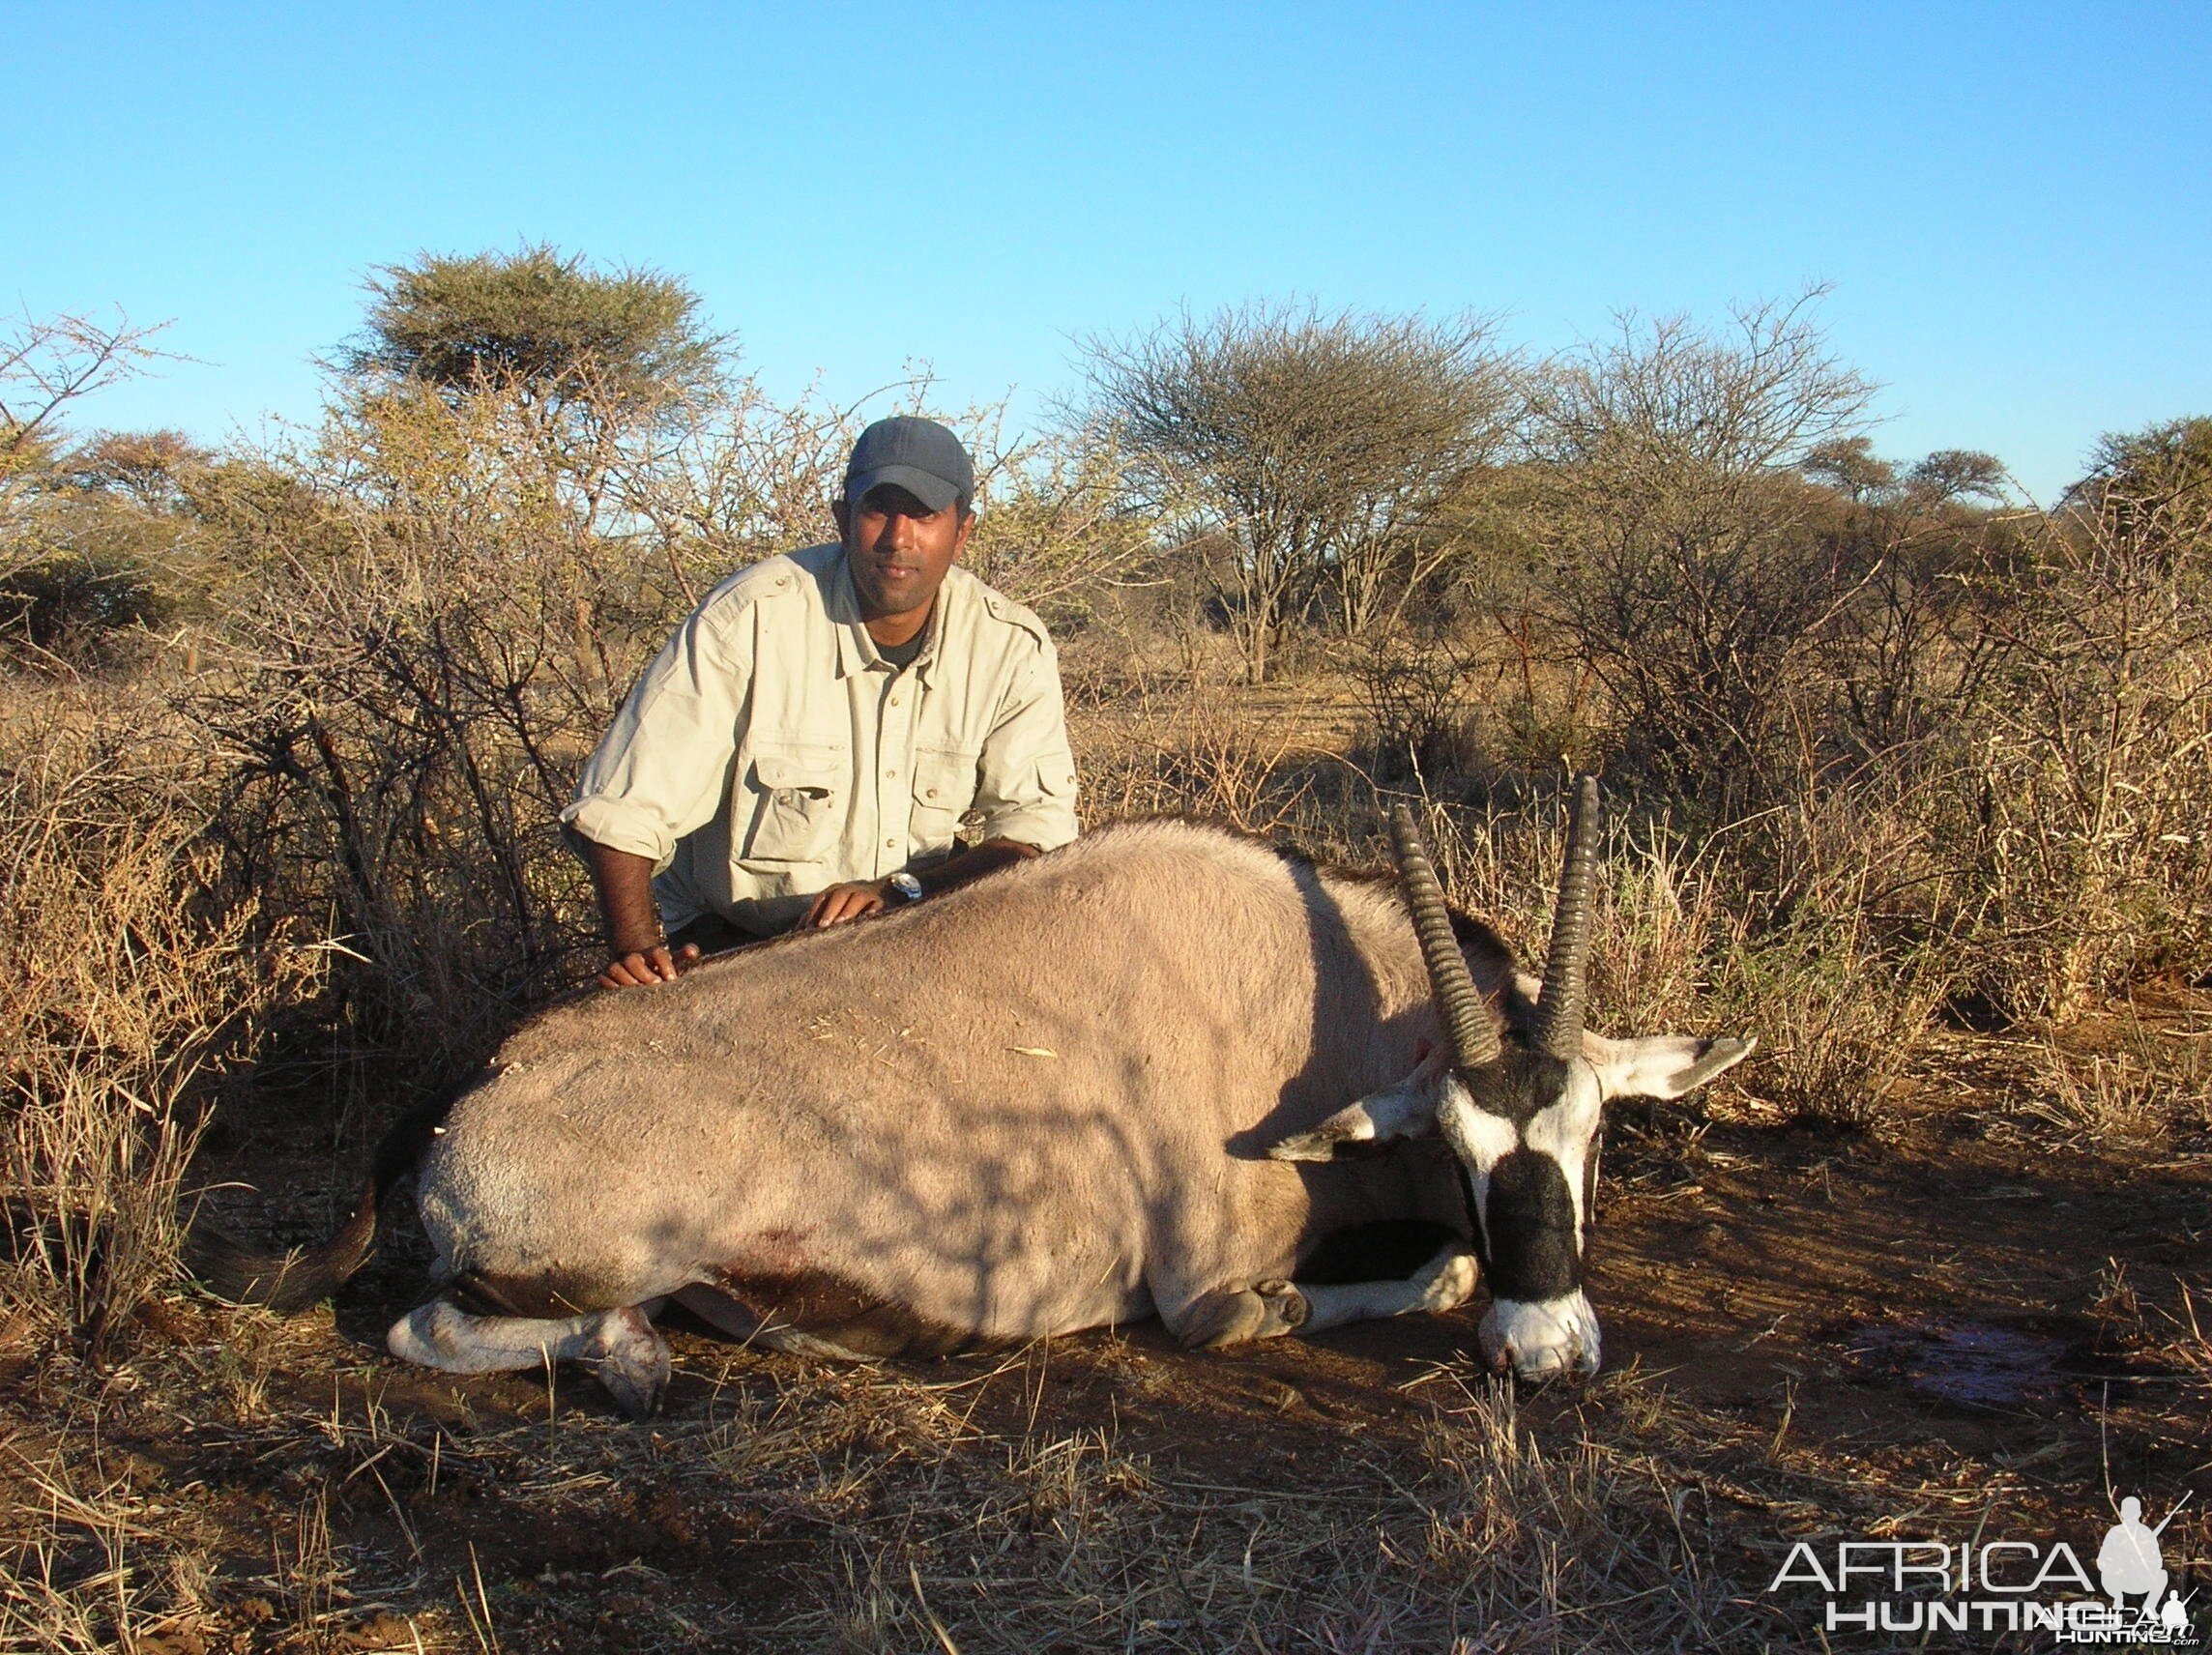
{"points": [[2012, 201]]}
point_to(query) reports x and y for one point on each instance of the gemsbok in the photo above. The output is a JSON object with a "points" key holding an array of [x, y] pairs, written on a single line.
{"points": [[1151, 1073]]}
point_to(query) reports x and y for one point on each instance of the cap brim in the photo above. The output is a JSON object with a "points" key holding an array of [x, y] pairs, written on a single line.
{"points": [[933, 492]]}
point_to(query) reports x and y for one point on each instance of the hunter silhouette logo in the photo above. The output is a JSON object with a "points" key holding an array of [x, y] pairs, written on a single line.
{"points": [[2129, 1562]]}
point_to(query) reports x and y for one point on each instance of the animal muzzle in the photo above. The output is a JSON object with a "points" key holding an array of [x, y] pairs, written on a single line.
{"points": [[1537, 1340]]}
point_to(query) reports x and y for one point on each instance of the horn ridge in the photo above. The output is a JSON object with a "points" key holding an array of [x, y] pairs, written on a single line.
{"points": [[1466, 1020], [1558, 1029]]}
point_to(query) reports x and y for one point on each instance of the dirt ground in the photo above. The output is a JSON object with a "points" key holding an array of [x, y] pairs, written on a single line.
{"points": [[1975, 1322]]}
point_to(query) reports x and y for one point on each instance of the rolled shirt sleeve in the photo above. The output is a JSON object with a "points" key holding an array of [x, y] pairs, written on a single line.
{"points": [[664, 768], [1025, 788]]}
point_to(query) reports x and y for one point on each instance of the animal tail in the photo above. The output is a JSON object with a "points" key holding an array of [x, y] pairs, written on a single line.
{"points": [[292, 1281]]}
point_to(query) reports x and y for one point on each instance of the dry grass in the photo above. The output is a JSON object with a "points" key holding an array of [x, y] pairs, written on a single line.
{"points": [[925, 1527], [908, 1511], [130, 984], [2106, 1096], [969, 1507], [1839, 1017], [1490, 1540]]}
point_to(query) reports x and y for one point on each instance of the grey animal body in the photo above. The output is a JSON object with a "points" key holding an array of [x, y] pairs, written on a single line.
{"points": [[1035, 1104], [1152, 1072]]}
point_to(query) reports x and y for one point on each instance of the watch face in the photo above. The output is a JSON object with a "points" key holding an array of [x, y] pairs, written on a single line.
{"points": [[907, 885]]}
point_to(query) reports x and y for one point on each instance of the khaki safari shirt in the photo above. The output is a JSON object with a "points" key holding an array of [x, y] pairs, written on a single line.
{"points": [[770, 752]]}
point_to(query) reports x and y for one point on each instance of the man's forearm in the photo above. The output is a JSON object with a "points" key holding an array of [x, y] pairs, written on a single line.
{"points": [[624, 882]]}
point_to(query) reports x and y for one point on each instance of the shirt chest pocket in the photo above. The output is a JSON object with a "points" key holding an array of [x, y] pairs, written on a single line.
{"points": [[944, 789], [796, 807]]}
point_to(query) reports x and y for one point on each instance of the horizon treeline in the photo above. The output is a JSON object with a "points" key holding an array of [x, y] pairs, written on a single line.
{"points": [[1304, 476], [1673, 553]]}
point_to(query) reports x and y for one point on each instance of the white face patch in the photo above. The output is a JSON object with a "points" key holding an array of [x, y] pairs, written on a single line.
{"points": [[1540, 1340], [1480, 1138]]}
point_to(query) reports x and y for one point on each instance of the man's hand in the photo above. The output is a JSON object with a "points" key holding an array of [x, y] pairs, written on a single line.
{"points": [[642, 966], [636, 954], [847, 901], [857, 897]]}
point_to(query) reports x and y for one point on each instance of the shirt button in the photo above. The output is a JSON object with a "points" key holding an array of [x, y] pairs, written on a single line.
{"points": [[890, 776], [931, 794], [891, 844], [894, 700]]}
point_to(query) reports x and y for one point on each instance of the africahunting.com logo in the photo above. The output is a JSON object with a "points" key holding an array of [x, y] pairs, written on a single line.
{"points": [[2004, 1586]]}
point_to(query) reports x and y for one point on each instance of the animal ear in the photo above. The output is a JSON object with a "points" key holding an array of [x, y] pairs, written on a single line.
{"points": [[1660, 1065], [1407, 1109]]}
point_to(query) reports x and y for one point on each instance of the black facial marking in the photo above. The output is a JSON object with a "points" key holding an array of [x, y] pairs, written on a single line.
{"points": [[1529, 1220], [1518, 1086]]}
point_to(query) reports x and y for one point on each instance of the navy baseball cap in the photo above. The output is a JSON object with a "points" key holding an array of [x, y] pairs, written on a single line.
{"points": [[919, 455]]}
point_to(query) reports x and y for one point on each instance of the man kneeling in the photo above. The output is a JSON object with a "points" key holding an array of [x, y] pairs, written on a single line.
{"points": [[804, 749]]}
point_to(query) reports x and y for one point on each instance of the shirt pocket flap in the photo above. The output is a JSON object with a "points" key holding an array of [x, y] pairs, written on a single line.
{"points": [[774, 772], [795, 809], [943, 788]]}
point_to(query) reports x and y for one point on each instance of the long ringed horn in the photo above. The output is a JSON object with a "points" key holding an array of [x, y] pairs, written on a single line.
{"points": [[1467, 1023], [1558, 1029]]}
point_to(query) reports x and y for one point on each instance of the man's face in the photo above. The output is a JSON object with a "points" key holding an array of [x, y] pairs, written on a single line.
{"points": [[899, 550]]}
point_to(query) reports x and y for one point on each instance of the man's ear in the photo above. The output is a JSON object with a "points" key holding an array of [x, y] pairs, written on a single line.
{"points": [[1660, 1065], [960, 535], [1407, 1109], [843, 513]]}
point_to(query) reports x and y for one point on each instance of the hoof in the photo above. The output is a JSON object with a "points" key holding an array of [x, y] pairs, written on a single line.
{"points": [[1238, 1315], [631, 1361], [1448, 1283], [1284, 1308]]}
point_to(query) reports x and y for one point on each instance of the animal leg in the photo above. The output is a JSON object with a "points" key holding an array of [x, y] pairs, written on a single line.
{"points": [[1445, 1283], [620, 1346], [1268, 1310]]}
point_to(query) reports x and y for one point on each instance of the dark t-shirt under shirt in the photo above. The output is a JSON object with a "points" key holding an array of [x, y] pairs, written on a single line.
{"points": [[902, 656]]}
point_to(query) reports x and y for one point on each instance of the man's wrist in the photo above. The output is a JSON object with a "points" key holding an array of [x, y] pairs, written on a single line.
{"points": [[902, 886]]}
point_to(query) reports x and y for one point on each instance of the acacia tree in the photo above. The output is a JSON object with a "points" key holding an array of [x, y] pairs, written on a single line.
{"points": [[46, 362], [450, 579], [1907, 649], [2152, 488], [86, 552], [536, 319], [2084, 757], [1665, 504], [1315, 446], [591, 372]]}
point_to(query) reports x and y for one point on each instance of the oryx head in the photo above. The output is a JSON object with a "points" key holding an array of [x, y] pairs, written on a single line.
{"points": [[1523, 1115]]}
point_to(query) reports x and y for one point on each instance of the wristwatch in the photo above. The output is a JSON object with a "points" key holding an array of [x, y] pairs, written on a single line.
{"points": [[906, 885]]}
